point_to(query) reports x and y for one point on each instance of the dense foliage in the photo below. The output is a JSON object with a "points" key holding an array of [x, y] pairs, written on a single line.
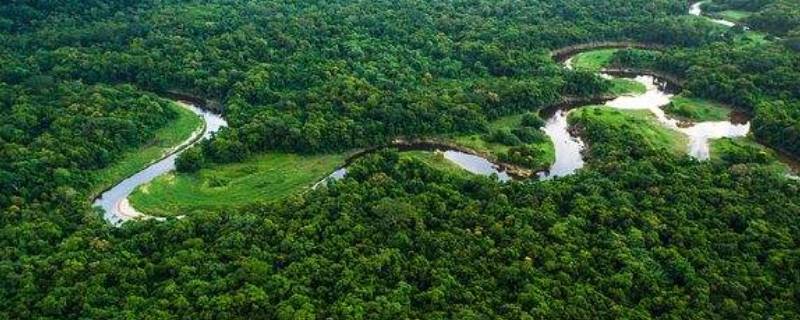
{"points": [[322, 76], [779, 17], [50, 146], [638, 234], [397, 240]]}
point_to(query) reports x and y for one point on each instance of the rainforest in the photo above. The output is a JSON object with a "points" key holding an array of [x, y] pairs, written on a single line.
{"points": [[354, 159]]}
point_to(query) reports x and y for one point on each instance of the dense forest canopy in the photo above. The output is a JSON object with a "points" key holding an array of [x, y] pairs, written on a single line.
{"points": [[780, 17], [639, 234]]}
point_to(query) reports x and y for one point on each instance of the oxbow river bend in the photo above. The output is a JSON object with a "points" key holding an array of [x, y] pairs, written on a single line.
{"points": [[114, 201], [569, 148], [117, 208]]}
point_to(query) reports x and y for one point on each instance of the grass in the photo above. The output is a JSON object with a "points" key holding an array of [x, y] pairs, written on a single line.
{"points": [[596, 60], [261, 178], [478, 143], [622, 86], [734, 15], [171, 135], [435, 160], [593, 60], [635, 123], [696, 109]]}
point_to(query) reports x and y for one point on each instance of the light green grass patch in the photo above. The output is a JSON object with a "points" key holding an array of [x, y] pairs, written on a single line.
{"points": [[734, 15], [697, 109], [726, 146], [641, 123], [166, 138], [261, 178], [622, 86], [594, 60]]}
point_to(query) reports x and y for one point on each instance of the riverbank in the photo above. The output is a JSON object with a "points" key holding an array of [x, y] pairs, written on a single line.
{"points": [[114, 200], [167, 140]]}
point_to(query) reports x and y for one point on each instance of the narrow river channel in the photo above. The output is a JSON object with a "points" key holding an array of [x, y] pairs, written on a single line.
{"points": [[114, 201], [569, 148], [697, 10]]}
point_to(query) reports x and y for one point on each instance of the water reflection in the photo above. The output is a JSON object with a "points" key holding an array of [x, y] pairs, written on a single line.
{"points": [[339, 174], [476, 164], [568, 148], [472, 163]]}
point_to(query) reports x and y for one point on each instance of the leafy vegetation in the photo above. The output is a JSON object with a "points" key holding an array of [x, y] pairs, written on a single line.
{"points": [[596, 60], [743, 76], [734, 15], [515, 139], [434, 160], [622, 86], [776, 17], [641, 233], [740, 150]]}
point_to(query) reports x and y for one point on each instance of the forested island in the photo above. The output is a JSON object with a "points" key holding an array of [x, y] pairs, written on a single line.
{"points": [[531, 159]]}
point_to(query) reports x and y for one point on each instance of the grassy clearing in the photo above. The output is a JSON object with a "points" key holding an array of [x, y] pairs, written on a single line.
{"points": [[622, 86], [632, 124], [478, 142], [593, 60], [261, 178], [734, 15], [171, 135], [696, 109], [721, 148], [596, 60]]}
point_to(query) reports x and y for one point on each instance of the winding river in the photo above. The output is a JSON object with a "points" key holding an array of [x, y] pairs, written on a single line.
{"points": [[568, 147], [117, 209], [114, 201], [697, 10]]}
